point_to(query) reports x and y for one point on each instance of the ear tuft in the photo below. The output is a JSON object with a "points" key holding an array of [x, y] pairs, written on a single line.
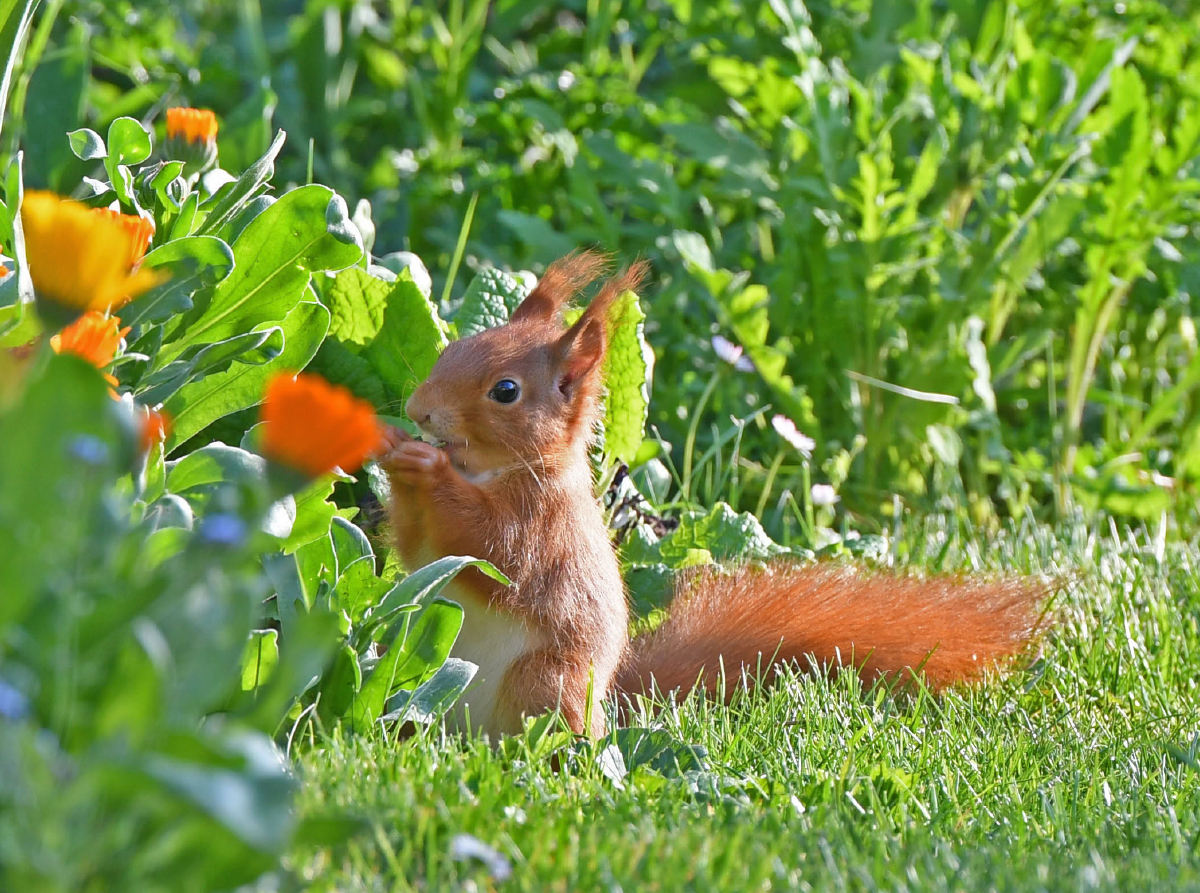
{"points": [[563, 279], [582, 347]]}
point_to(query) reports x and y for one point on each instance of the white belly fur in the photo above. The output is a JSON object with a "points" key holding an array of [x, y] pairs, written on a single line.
{"points": [[492, 640]]}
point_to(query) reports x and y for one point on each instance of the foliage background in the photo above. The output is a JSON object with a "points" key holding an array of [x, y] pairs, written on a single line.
{"points": [[957, 242], [993, 202]]}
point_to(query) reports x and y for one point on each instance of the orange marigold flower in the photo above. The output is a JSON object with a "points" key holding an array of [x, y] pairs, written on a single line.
{"points": [[191, 125], [140, 229], [313, 426], [155, 428], [77, 259], [94, 337]]}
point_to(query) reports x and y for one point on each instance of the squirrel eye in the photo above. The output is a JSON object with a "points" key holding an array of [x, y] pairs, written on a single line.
{"points": [[505, 391]]}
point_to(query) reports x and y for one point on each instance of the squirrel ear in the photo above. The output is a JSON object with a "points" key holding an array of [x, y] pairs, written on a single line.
{"points": [[562, 280], [580, 350], [582, 347]]}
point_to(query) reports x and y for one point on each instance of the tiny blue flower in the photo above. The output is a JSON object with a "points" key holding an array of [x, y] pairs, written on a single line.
{"points": [[88, 449], [13, 704], [223, 529]]}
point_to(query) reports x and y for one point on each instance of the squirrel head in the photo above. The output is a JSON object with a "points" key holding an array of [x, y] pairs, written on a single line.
{"points": [[525, 394]]}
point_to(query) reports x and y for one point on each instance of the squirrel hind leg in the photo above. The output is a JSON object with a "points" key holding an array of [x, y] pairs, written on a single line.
{"points": [[542, 681]]}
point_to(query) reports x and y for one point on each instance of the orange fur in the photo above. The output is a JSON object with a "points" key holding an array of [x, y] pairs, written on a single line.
{"points": [[951, 628], [512, 483]]}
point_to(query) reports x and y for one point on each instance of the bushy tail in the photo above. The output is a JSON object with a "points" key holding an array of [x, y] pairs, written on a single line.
{"points": [[947, 628]]}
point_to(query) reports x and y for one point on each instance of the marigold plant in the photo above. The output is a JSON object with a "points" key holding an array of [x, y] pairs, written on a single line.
{"points": [[140, 229], [93, 337], [80, 260], [314, 427], [155, 428], [191, 125]]}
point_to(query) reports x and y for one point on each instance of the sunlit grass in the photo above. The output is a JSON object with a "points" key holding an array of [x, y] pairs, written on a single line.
{"points": [[1080, 772]]}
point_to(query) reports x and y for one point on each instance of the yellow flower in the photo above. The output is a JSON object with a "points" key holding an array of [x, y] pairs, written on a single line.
{"points": [[140, 229], [314, 427], [192, 125], [78, 259], [94, 337]]}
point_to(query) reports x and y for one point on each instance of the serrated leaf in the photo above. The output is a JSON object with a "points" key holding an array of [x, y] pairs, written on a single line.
{"points": [[384, 337], [628, 370], [725, 534], [490, 300]]}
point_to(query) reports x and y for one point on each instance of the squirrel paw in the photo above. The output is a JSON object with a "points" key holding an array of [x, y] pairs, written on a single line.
{"points": [[393, 437], [411, 460]]}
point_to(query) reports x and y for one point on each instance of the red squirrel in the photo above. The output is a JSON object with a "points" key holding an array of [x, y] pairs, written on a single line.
{"points": [[514, 411]]}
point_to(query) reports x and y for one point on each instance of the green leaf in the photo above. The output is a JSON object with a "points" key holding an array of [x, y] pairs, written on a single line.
{"points": [[14, 28], [384, 337], [490, 300], [197, 405], [410, 662], [314, 513], [214, 463], [226, 206], [65, 413], [195, 263], [262, 654], [252, 797], [252, 348], [434, 696], [628, 370], [723, 533], [339, 686], [128, 141], [275, 256], [423, 584]]}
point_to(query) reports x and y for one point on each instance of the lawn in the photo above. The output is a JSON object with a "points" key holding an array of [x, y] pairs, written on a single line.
{"points": [[924, 289], [1081, 773]]}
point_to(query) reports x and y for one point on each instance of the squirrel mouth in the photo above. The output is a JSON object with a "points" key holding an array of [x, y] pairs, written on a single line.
{"points": [[434, 440]]}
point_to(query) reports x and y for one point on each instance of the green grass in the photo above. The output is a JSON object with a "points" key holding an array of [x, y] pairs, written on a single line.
{"points": [[1082, 772]]}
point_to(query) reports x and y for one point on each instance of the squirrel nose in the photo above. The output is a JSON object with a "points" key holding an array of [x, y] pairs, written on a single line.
{"points": [[415, 409]]}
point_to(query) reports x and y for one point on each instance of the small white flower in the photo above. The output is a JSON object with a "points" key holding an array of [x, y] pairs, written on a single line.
{"points": [[823, 494], [566, 80], [787, 429], [726, 349]]}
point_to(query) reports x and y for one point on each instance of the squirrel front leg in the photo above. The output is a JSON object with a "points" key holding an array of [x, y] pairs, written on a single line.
{"points": [[435, 511]]}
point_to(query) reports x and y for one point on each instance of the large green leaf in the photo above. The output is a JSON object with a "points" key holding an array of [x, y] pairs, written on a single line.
{"points": [[194, 263], [306, 231], [384, 337], [197, 405], [410, 662], [490, 300], [62, 444], [227, 204], [628, 370]]}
